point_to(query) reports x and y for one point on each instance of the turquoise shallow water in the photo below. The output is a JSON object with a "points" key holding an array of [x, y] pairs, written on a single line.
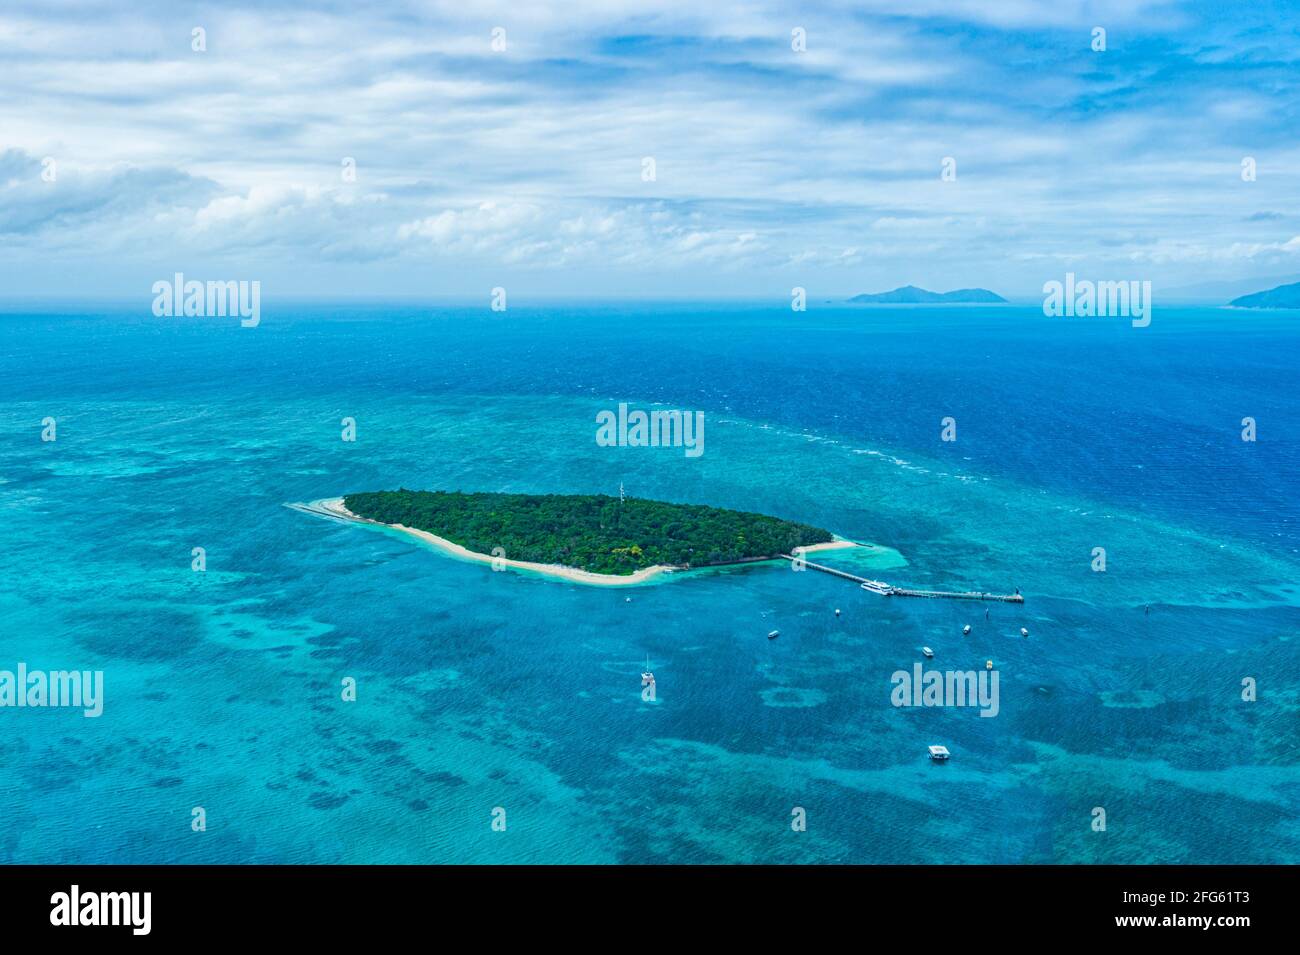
{"points": [[479, 689]]}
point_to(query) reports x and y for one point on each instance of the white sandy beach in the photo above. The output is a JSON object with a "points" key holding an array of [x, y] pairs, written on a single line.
{"points": [[838, 544], [335, 506]]}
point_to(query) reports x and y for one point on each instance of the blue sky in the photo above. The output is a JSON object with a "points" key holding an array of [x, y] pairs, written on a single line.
{"points": [[523, 167]]}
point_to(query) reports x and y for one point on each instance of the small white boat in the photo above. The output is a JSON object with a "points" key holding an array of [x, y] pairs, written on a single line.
{"points": [[929, 654], [1024, 632], [938, 753], [837, 611], [774, 634], [647, 677], [965, 631]]}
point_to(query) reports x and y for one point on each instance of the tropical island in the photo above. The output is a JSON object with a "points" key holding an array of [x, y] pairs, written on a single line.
{"points": [[590, 538], [1284, 296], [911, 295]]}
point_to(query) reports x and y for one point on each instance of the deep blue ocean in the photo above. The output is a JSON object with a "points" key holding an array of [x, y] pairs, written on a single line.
{"points": [[478, 690]]}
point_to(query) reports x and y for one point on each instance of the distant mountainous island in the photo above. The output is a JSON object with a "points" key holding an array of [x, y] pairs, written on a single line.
{"points": [[911, 295], [1284, 296]]}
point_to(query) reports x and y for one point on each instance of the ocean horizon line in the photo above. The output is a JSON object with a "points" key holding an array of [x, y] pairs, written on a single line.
{"points": [[776, 302]]}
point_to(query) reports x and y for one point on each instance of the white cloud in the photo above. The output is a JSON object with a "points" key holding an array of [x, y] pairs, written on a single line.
{"points": [[767, 160]]}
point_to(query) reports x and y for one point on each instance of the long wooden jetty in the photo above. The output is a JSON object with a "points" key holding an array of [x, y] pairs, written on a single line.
{"points": [[889, 590]]}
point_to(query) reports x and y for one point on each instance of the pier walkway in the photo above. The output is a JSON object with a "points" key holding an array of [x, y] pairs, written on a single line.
{"points": [[889, 590]]}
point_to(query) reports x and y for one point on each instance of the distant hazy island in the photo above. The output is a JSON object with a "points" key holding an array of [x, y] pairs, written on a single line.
{"points": [[911, 295], [590, 538], [1284, 296]]}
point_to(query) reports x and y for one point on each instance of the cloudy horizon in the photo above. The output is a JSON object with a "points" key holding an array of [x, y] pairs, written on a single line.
{"points": [[127, 155]]}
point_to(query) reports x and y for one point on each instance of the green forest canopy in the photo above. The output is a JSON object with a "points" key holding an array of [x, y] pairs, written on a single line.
{"points": [[593, 532]]}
